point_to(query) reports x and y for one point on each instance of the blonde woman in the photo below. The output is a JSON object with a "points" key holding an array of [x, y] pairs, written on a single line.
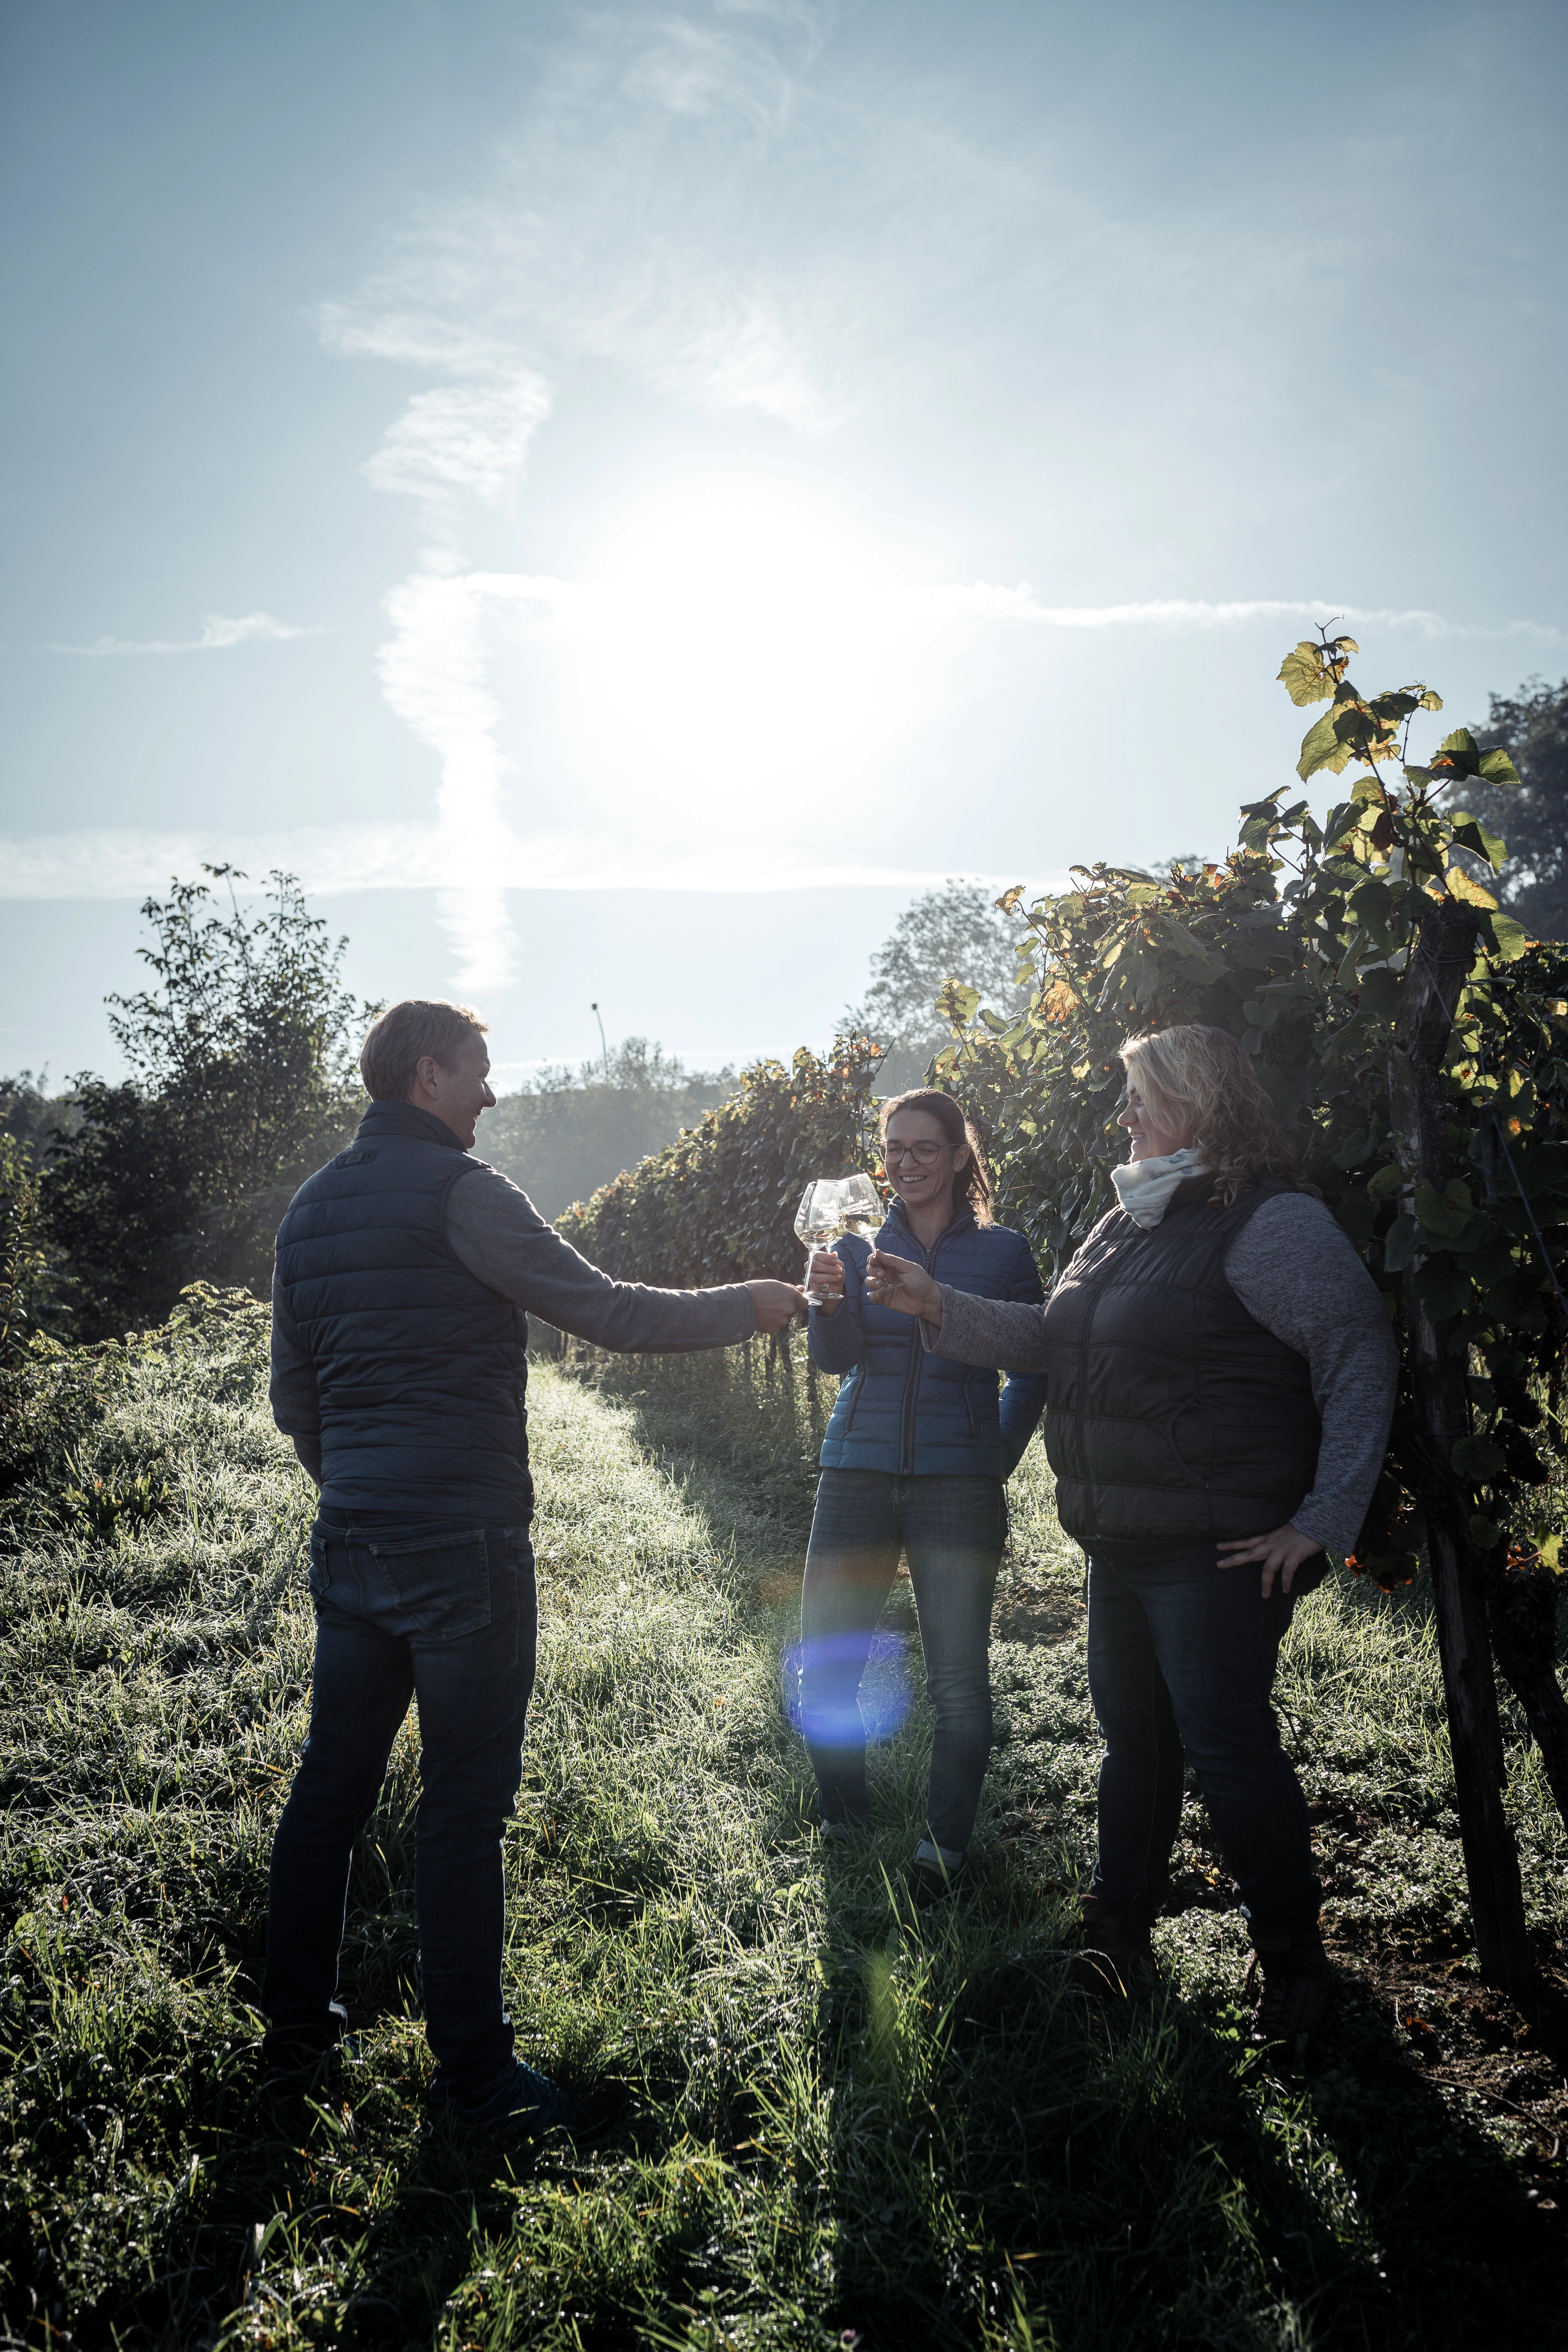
{"points": [[1220, 1379]]}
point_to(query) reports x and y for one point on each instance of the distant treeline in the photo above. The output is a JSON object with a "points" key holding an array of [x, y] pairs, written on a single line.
{"points": [[564, 1135]]}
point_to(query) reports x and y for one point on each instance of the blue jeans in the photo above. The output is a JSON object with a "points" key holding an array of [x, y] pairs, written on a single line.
{"points": [[1181, 1658], [952, 1531], [448, 1614]]}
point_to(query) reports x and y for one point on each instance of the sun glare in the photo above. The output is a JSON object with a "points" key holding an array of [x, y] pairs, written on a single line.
{"points": [[736, 645]]}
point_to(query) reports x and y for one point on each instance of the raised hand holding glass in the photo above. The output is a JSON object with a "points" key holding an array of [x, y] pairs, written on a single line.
{"points": [[830, 1207]]}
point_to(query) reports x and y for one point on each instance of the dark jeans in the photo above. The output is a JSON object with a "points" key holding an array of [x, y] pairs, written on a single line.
{"points": [[1180, 1657], [447, 1614], [951, 1530]]}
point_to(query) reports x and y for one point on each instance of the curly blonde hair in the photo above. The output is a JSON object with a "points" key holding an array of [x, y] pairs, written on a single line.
{"points": [[1197, 1080]]}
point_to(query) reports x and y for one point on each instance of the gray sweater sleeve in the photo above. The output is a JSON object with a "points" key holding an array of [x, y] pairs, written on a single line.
{"points": [[505, 1244], [1293, 1267], [1005, 1333]]}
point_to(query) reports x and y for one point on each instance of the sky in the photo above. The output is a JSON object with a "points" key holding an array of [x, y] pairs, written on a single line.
{"points": [[618, 499]]}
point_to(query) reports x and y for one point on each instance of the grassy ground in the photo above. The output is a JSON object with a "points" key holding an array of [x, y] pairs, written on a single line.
{"points": [[844, 2128]]}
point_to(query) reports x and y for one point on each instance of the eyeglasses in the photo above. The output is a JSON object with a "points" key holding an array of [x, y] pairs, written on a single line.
{"points": [[924, 1153]]}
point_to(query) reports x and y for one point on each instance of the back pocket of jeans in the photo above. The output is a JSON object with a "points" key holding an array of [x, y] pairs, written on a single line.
{"points": [[441, 1585]]}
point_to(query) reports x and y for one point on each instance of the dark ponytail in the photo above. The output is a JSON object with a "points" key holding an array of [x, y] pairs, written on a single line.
{"points": [[972, 1183]]}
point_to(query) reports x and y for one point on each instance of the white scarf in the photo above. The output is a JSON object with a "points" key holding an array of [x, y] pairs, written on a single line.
{"points": [[1144, 1187]]}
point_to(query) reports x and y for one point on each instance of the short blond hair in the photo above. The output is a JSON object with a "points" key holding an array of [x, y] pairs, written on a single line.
{"points": [[1198, 1078], [398, 1042]]}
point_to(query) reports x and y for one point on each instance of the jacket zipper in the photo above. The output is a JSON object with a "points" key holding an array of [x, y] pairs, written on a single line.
{"points": [[912, 1377], [1081, 1412]]}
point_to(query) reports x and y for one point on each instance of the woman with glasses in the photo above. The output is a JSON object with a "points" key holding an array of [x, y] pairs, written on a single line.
{"points": [[914, 1461]]}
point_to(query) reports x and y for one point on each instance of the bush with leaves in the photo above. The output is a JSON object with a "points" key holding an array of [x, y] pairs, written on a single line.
{"points": [[718, 1204], [28, 1291], [243, 1080], [52, 1394], [1416, 1047]]}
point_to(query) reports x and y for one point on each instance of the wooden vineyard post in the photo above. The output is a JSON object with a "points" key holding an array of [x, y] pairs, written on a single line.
{"points": [[1440, 962]]}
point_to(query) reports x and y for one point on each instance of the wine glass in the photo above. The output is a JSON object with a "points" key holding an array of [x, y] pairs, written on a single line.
{"points": [[860, 1206], [830, 1207], [816, 1224]]}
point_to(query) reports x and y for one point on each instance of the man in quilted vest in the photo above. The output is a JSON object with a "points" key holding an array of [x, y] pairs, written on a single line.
{"points": [[404, 1274]]}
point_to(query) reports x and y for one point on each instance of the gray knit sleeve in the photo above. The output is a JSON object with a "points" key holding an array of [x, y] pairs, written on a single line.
{"points": [[501, 1238], [1005, 1333], [1294, 1268]]}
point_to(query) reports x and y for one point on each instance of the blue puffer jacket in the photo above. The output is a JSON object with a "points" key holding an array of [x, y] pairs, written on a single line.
{"points": [[903, 1410]]}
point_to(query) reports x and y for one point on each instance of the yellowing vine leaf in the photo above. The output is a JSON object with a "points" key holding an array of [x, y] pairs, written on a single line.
{"points": [[1304, 674]]}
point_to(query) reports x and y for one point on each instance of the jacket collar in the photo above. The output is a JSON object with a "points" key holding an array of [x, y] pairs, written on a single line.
{"points": [[897, 1216], [383, 1120]]}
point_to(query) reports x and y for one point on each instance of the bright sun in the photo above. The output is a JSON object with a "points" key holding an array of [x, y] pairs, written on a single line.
{"points": [[737, 646]]}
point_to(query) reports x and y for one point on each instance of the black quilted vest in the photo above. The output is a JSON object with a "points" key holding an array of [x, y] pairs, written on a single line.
{"points": [[421, 1368], [1174, 1414]]}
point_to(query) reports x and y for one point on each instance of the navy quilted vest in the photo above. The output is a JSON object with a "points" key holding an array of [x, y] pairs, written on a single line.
{"points": [[421, 1368], [1174, 1414]]}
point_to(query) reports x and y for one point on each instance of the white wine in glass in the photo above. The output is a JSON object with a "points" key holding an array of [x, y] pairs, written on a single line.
{"points": [[860, 1206], [830, 1207]]}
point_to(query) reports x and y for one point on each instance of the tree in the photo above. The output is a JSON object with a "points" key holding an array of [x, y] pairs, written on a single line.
{"points": [[562, 1136], [243, 1078], [954, 932], [1531, 816]]}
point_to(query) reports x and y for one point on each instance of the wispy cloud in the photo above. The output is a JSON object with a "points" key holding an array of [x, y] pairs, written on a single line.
{"points": [[599, 234], [122, 862], [470, 438], [220, 633], [435, 677], [981, 600], [467, 439], [126, 862]]}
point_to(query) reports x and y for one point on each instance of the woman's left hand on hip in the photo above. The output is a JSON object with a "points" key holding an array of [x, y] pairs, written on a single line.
{"points": [[1281, 1554]]}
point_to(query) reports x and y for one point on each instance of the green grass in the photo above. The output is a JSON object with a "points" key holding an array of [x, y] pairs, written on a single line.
{"points": [[841, 2124]]}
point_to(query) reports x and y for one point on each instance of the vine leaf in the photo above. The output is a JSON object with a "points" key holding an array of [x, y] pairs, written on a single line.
{"points": [[1471, 833], [1477, 1458], [1321, 748], [1304, 676]]}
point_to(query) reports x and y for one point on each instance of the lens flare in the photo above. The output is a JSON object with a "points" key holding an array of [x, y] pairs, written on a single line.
{"points": [[843, 1689]]}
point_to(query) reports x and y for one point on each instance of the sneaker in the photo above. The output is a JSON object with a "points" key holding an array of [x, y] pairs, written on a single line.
{"points": [[529, 2105], [1298, 1986], [927, 1881], [291, 2070], [1117, 1958], [842, 1833]]}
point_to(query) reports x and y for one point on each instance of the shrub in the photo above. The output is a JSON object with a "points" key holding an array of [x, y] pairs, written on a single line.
{"points": [[243, 1078], [718, 1204]]}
